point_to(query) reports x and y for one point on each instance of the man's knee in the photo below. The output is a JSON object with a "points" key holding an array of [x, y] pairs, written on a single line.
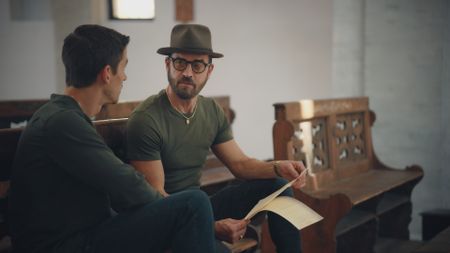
{"points": [[197, 200], [198, 196], [280, 182]]}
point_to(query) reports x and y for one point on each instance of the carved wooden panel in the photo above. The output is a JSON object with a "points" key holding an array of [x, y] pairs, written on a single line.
{"points": [[349, 137], [297, 150], [310, 144]]}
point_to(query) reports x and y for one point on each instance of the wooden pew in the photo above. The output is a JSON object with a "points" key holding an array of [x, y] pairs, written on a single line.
{"points": [[8, 143], [359, 197], [18, 111], [215, 175], [124, 109], [117, 111]]}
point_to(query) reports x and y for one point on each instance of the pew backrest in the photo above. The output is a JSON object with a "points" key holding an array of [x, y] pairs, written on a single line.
{"points": [[18, 112], [332, 137]]}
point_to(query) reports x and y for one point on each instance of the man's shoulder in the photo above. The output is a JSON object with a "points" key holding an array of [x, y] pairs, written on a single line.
{"points": [[209, 105], [207, 102], [150, 112], [57, 110], [53, 119], [152, 103]]}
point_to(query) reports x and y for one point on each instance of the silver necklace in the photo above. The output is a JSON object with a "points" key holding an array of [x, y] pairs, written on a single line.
{"points": [[187, 119]]}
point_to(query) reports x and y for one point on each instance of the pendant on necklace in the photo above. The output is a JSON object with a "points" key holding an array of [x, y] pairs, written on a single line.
{"points": [[187, 122]]}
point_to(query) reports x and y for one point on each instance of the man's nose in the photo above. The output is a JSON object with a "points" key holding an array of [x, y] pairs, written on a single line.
{"points": [[188, 71]]}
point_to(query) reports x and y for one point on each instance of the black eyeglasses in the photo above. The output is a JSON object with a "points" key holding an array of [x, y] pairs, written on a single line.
{"points": [[181, 64]]}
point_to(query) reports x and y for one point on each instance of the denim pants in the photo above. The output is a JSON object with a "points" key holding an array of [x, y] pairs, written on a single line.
{"points": [[182, 222], [235, 201]]}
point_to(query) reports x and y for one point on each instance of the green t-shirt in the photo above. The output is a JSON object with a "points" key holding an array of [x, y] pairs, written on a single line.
{"points": [[65, 179], [156, 131]]}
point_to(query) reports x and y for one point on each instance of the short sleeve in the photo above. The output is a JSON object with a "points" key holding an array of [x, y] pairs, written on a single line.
{"points": [[143, 140], [224, 133]]}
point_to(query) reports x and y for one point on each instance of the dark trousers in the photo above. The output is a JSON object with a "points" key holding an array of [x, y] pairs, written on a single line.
{"points": [[235, 201], [182, 222]]}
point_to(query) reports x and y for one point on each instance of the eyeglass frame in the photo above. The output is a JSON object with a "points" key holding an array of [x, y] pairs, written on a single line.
{"points": [[189, 63]]}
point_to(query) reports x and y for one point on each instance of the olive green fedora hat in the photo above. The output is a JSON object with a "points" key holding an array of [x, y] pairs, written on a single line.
{"points": [[190, 38]]}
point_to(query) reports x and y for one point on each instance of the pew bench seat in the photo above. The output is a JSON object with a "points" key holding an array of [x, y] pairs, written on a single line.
{"points": [[366, 185]]}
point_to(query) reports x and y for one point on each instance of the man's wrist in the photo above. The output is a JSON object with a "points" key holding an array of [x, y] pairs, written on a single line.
{"points": [[276, 168]]}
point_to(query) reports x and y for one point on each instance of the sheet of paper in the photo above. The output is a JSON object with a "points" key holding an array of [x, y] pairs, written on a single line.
{"points": [[263, 202], [297, 213]]}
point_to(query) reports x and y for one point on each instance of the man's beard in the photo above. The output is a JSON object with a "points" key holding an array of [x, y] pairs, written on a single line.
{"points": [[185, 93]]}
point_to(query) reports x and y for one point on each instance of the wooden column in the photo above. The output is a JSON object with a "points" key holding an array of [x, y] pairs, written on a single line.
{"points": [[184, 10]]}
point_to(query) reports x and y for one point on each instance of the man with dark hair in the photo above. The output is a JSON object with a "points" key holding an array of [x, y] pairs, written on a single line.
{"points": [[66, 181], [170, 134], [87, 51]]}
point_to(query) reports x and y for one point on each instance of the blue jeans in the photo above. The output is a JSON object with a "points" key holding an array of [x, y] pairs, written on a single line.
{"points": [[235, 201], [182, 222]]}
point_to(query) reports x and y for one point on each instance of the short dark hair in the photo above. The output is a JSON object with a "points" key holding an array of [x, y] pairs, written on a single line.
{"points": [[88, 49]]}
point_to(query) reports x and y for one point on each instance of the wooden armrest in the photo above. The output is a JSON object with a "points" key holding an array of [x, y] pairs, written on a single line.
{"points": [[367, 185]]}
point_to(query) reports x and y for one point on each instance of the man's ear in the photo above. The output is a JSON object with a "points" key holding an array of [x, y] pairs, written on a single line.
{"points": [[210, 69], [167, 63], [105, 74]]}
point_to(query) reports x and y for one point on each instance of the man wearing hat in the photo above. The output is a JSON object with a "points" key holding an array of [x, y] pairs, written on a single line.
{"points": [[170, 134]]}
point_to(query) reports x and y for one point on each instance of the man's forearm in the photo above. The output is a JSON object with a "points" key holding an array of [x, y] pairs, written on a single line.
{"points": [[153, 174], [253, 168]]}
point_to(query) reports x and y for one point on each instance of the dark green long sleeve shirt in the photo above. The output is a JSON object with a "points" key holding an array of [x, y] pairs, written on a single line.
{"points": [[65, 179]]}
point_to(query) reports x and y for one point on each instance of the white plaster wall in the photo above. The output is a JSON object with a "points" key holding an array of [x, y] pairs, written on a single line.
{"points": [[27, 57], [274, 52], [403, 77], [348, 48]]}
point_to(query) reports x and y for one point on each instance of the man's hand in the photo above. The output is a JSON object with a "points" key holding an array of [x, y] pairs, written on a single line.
{"points": [[230, 230], [163, 192], [291, 170]]}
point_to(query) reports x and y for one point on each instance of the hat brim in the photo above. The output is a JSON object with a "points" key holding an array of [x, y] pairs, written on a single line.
{"points": [[171, 50]]}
